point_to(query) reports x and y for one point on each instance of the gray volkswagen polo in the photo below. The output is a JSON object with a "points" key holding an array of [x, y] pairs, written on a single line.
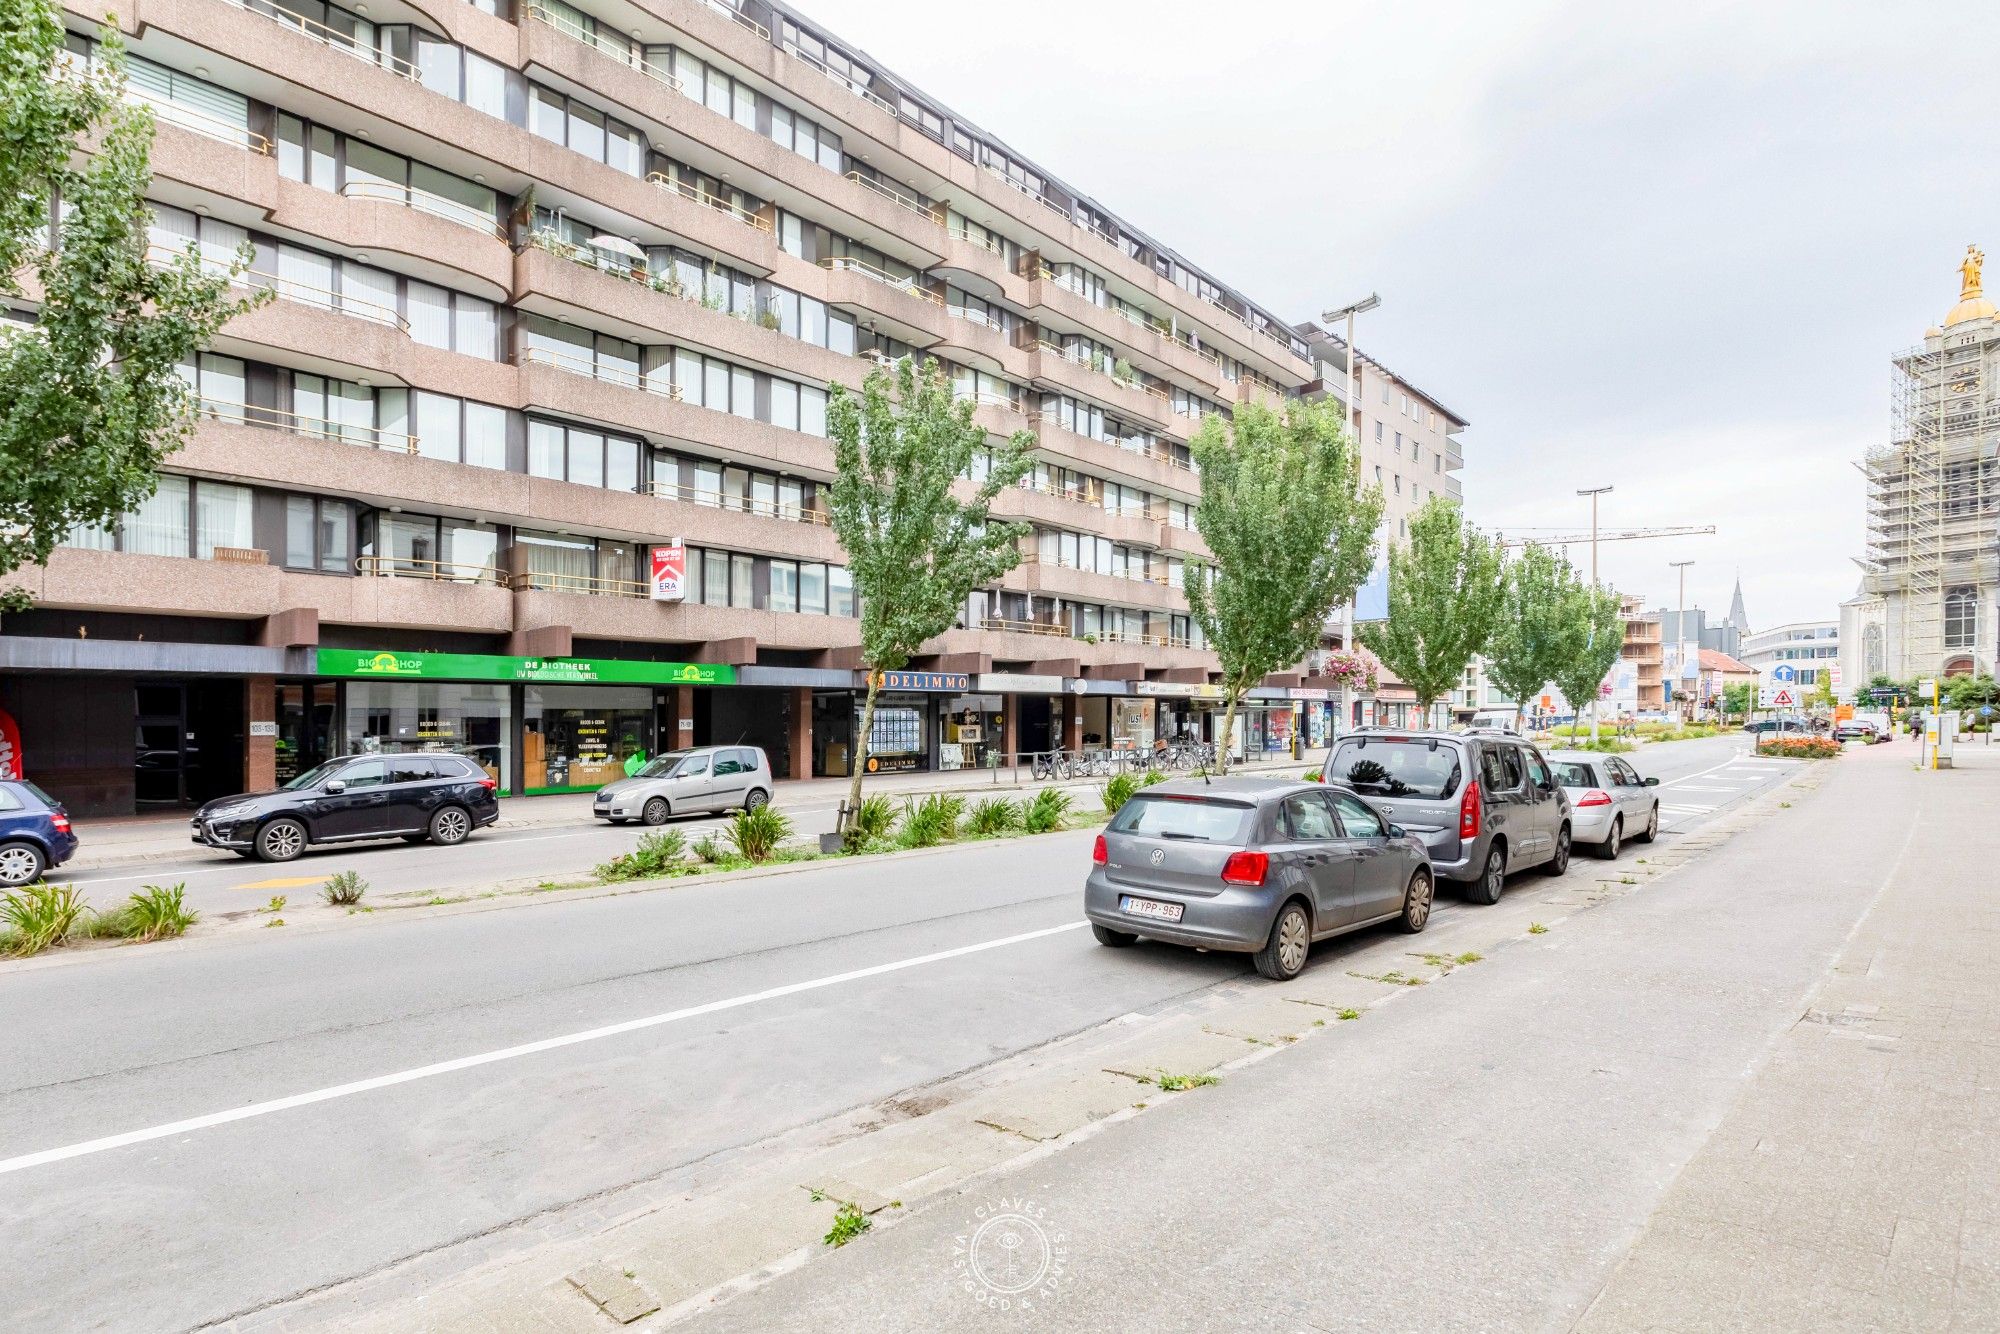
{"points": [[1262, 866]]}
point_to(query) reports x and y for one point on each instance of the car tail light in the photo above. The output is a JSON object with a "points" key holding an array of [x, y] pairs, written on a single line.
{"points": [[1594, 797], [60, 821], [489, 782], [1245, 868], [1098, 852], [1469, 807]]}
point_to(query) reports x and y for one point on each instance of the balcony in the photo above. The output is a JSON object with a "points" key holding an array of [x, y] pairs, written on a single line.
{"points": [[474, 260]]}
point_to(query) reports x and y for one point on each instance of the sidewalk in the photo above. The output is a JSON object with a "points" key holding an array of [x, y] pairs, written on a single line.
{"points": [[108, 842], [1856, 1183]]}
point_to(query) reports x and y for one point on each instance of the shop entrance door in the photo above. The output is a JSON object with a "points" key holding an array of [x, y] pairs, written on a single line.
{"points": [[188, 742], [308, 727], [162, 745]]}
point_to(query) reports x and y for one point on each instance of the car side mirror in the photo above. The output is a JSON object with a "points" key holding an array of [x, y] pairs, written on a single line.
{"points": [[1652, 782], [1397, 831], [336, 785]]}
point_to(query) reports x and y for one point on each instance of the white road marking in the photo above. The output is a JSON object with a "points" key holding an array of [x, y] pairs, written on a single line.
{"points": [[108, 1142]]}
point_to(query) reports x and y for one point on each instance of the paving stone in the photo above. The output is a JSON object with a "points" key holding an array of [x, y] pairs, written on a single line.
{"points": [[1050, 1111], [1264, 1021], [617, 1296], [1188, 1053], [844, 1191]]}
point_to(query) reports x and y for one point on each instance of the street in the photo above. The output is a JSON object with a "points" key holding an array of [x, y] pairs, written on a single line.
{"points": [[321, 1149]]}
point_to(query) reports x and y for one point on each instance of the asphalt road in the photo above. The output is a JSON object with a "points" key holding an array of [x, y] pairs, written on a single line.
{"points": [[221, 882], [193, 1132]]}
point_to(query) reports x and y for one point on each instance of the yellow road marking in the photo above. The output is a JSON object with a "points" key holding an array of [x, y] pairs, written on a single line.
{"points": [[292, 882]]}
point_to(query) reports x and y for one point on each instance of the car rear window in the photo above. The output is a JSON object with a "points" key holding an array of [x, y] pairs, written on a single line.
{"points": [[1396, 768], [1572, 774], [1194, 818]]}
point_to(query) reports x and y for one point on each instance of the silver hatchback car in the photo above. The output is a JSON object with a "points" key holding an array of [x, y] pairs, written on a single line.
{"points": [[1263, 866], [1609, 802], [707, 778]]}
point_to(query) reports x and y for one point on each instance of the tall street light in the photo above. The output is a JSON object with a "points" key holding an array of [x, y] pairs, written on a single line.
{"points": [[1347, 313], [1593, 492], [1680, 628]]}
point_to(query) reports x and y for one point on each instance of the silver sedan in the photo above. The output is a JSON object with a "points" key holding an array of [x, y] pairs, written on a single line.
{"points": [[1609, 802], [1261, 866]]}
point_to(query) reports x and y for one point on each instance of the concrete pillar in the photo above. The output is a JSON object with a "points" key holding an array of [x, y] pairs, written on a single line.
{"points": [[802, 733], [1010, 727], [260, 753], [681, 731], [1072, 722]]}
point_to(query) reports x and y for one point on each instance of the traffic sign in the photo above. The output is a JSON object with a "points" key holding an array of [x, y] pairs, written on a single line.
{"points": [[1784, 674], [1780, 697]]}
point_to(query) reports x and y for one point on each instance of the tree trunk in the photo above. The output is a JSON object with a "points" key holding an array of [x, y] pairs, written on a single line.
{"points": [[1593, 718], [1228, 723], [861, 746]]}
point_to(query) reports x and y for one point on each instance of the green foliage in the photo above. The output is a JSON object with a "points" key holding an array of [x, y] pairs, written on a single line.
{"points": [[344, 889], [1047, 812], [757, 835], [915, 547], [1737, 697], [1116, 792], [1181, 1083], [1153, 776], [709, 850], [1444, 597], [848, 1223], [156, 913], [1292, 531], [90, 401], [1966, 693], [931, 821], [1534, 630], [38, 917], [995, 815], [658, 853], [1605, 745], [870, 822], [1596, 639]]}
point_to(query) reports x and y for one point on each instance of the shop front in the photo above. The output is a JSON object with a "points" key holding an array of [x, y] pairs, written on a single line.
{"points": [[536, 725], [1183, 713], [972, 729]]}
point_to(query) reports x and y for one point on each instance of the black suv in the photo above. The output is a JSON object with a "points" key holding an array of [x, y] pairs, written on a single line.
{"points": [[438, 797]]}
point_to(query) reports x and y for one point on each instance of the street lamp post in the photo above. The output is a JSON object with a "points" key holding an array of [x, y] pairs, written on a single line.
{"points": [[1593, 492], [1347, 313], [1680, 628]]}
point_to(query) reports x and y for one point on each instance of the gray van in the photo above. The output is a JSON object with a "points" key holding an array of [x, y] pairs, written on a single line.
{"points": [[706, 778], [1483, 803]]}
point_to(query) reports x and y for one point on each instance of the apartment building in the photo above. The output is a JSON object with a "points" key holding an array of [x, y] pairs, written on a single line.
{"points": [[1812, 648], [528, 459]]}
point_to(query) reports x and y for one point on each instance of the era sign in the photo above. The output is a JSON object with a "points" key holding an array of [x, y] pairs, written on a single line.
{"points": [[670, 571]]}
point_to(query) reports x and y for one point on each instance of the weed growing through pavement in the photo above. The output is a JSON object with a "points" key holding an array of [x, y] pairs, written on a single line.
{"points": [[817, 1195], [1392, 978], [155, 913], [275, 921], [658, 853], [1181, 1083], [1470, 956], [1349, 1013], [1537, 929], [344, 889], [848, 1223], [38, 917], [1627, 880], [276, 905]]}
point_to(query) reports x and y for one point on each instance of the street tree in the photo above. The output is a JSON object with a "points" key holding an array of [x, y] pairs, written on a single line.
{"points": [[1445, 593], [1292, 532], [1534, 629], [90, 401], [1596, 636], [1736, 699], [917, 533]]}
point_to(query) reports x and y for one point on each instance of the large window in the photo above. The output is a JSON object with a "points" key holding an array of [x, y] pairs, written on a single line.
{"points": [[427, 547], [1961, 618], [587, 457], [319, 534], [329, 160], [584, 129], [183, 517], [459, 431]]}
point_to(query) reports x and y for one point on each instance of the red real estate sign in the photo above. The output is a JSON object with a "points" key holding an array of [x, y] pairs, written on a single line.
{"points": [[670, 572], [10, 747]]}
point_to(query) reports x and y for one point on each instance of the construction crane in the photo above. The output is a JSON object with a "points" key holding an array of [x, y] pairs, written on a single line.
{"points": [[1569, 537]]}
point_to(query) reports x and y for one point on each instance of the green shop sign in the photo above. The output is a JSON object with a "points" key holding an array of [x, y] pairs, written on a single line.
{"points": [[491, 667]]}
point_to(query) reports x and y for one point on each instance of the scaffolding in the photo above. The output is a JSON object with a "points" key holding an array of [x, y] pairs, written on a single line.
{"points": [[1933, 496]]}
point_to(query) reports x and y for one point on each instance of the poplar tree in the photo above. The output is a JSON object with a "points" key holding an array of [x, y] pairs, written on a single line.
{"points": [[90, 401], [1535, 630], [1444, 597], [1292, 532], [916, 546], [1597, 634]]}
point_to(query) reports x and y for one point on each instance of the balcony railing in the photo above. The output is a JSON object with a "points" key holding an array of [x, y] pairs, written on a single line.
{"points": [[1135, 576], [1140, 637], [735, 16], [199, 122], [748, 217], [770, 509], [1094, 362], [343, 42], [1050, 629], [290, 289], [873, 99], [317, 428], [909, 286], [617, 51], [986, 243], [548, 581], [586, 366], [1036, 195], [894, 196], [423, 201], [436, 571]]}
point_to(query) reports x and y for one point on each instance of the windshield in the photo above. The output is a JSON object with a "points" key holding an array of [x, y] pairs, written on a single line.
{"points": [[1396, 768], [1182, 817], [1571, 774], [666, 766], [314, 777]]}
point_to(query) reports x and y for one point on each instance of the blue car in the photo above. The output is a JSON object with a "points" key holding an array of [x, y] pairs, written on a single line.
{"points": [[34, 833]]}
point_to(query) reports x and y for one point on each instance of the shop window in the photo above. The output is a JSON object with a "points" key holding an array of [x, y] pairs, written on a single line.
{"points": [[406, 716]]}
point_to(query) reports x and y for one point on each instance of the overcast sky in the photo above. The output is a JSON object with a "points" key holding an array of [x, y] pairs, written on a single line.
{"points": [[1666, 247]]}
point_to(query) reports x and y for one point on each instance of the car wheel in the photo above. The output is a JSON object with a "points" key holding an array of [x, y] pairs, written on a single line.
{"points": [[1117, 940], [1284, 954], [656, 811], [20, 864], [1559, 863], [1652, 825], [757, 797], [281, 840], [1417, 903], [450, 826], [1609, 848], [1492, 880]]}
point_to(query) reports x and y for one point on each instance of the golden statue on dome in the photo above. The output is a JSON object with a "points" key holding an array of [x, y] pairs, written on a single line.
{"points": [[1969, 270]]}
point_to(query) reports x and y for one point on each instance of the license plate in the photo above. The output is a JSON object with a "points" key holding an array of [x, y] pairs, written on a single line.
{"points": [[1153, 908]]}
